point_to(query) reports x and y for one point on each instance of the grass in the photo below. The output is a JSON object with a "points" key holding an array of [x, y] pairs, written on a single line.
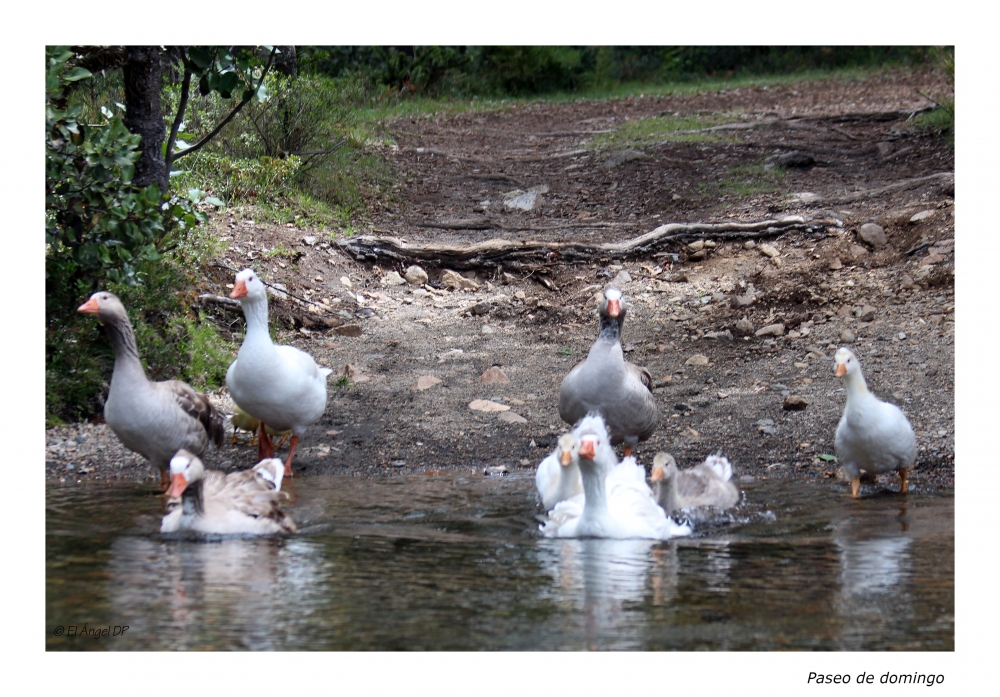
{"points": [[643, 132], [342, 381], [751, 180]]}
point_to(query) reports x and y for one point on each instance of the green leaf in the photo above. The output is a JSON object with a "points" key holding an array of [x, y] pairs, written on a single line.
{"points": [[200, 57], [214, 201], [828, 458], [77, 74]]}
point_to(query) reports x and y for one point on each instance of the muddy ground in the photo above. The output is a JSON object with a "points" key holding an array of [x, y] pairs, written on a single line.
{"points": [[858, 154]]}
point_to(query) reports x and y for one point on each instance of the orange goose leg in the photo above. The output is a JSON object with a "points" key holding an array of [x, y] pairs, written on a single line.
{"points": [[291, 452], [265, 448]]}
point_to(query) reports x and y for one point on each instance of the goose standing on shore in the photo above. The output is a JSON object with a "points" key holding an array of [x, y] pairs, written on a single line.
{"points": [[154, 419], [873, 435], [280, 385], [217, 503], [607, 384]]}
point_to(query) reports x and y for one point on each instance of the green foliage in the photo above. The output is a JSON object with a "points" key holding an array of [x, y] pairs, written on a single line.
{"points": [[102, 232], [520, 70], [240, 180], [642, 132], [342, 381], [752, 179]]}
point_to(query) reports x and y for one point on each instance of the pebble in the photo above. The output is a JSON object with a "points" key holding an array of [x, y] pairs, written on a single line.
{"points": [[415, 276], [867, 313], [494, 376], [622, 278], [724, 335], [512, 418], [922, 215], [768, 250], [697, 359], [873, 234], [771, 330], [749, 244], [744, 326], [309, 240], [457, 281], [847, 336], [696, 246], [392, 279], [481, 308], [487, 405], [348, 330], [425, 382], [487, 329], [346, 281], [835, 264], [794, 403]]}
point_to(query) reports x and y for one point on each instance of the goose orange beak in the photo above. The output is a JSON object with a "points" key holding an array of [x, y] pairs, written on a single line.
{"points": [[587, 449], [90, 307], [656, 475], [614, 307], [565, 458], [239, 289], [177, 486], [841, 370]]}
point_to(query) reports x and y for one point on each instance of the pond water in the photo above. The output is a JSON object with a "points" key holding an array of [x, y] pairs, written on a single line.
{"points": [[450, 562]]}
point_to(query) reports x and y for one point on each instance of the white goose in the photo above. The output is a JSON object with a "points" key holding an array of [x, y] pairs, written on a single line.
{"points": [[873, 435], [280, 385], [216, 503], [619, 505], [707, 484], [607, 384], [154, 419], [558, 475]]}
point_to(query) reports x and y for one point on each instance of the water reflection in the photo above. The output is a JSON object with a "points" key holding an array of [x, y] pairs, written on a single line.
{"points": [[456, 563]]}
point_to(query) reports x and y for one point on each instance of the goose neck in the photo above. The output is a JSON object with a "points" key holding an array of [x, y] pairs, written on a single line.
{"points": [[856, 385], [255, 311], [611, 328], [595, 496], [123, 344], [193, 498]]}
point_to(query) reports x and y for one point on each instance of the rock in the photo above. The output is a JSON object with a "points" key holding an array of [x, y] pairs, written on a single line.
{"points": [[790, 159], [346, 281], [392, 279], [512, 418], [794, 403], [923, 215], [450, 354], [931, 259], [425, 382], [699, 255], [873, 234], [768, 250], [835, 264], [865, 314], [749, 244], [622, 278], [884, 149], [771, 330], [697, 360], [906, 281], [744, 326], [519, 295], [847, 336], [857, 251], [481, 308], [805, 198], [456, 281], [309, 240], [522, 200], [696, 246], [487, 405], [683, 406], [724, 335], [496, 471], [494, 376], [415, 276], [487, 329], [348, 330]]}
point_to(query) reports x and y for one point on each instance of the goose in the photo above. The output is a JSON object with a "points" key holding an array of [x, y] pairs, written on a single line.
{"points": [[618, 504], [872, 435], [154, 419], [558, 475], [216, 503], [707, 484], [280, 385], [608, 384]]}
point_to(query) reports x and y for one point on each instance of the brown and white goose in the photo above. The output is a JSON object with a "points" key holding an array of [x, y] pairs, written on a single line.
{"points": [[707, 484], [607, 384], [216, 503], [154, 419]]}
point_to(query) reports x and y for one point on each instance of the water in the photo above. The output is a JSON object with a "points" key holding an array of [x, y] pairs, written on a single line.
{"points": [[455, 563]]}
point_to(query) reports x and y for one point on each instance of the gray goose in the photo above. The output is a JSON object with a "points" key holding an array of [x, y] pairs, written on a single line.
{"points": [[216, 503], [154, 419], [707, 484], [607, 384]]}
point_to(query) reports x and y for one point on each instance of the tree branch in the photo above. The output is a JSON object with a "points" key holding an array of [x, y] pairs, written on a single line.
{"points": [[179, 117], [201, 143]]}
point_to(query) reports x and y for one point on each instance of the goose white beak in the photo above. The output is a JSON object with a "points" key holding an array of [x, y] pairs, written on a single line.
{"points": [[177, 486], [90, 307], [614, 307], [841, 370], [239, 289]]}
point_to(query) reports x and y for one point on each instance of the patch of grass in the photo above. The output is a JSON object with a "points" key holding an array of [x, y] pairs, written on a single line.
{"points": [[565, 351], [642, 132], [280, 251], [939, 121], [342, 381], [751, 180]]}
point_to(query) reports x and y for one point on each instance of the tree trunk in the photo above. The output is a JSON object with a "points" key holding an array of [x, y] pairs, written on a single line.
{"points": [[143, 113]]}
